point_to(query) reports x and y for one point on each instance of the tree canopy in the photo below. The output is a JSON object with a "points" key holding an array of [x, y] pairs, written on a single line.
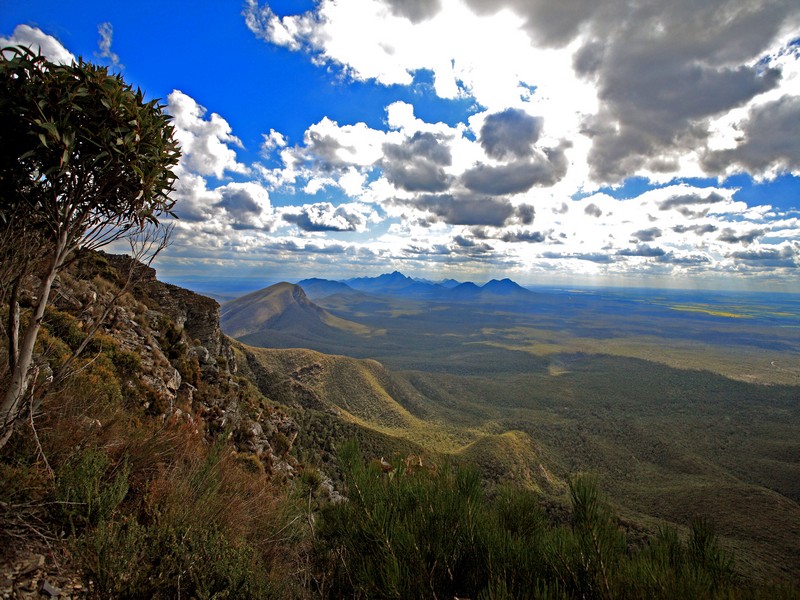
{"points": [[82, 151]]}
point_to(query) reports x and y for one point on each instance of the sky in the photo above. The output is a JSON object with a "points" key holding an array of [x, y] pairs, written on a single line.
{"points": [[645, 143]]}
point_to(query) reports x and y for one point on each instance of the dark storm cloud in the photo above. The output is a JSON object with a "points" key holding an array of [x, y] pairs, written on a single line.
{"points": [[593, 210], [662, 108], [415, 11], [544, 169], [770, 139], [588, 59], [642, 250], [526, 213], [470, 210], [647, 235], [689, 200], [510, 133], [663, 69], [731, 237], [697, 229], [417, 165], [550, 23]]}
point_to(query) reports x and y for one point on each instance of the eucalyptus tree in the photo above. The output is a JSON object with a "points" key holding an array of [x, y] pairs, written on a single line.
{"points": [[84, 161]]}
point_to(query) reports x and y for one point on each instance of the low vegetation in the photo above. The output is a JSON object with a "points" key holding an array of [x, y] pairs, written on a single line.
{"points": [[434, 532]]}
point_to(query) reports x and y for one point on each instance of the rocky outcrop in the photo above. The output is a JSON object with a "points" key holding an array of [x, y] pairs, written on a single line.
{"points": [[182, 365], [198, 316]]}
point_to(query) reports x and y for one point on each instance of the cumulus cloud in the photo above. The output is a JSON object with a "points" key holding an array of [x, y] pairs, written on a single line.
{"points": [[544, 168], [329, 146], [510, 133], [470, 209], [697, 229], [415, 10], [193, 200], [272, 140], [645, 250], [661, 70], [246, 204], [39, 42], [731, 236], [647, 235], [593, 210], [636, 87], [470, 245], [204, 142], [681, 200], [770, 141], [783, 256], [685, 260], [659, 111], [532, 237], [417, 164], [324, 216]]}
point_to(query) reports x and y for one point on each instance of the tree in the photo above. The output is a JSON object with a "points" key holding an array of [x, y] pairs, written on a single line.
{"points": [[84, 162]]}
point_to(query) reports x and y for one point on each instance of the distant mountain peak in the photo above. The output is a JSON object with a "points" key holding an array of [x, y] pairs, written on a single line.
{"points": [[503, 287], [285, 307], [394, 276]]}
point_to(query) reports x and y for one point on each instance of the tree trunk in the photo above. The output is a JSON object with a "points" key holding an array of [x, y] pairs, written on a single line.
{"points": [[20, 375], [13, 325]]}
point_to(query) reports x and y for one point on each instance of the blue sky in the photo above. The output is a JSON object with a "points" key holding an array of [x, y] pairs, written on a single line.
{"points": [[597, 143]]}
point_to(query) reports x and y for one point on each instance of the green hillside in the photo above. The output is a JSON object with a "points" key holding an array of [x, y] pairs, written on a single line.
{"points": [[358, 391]]}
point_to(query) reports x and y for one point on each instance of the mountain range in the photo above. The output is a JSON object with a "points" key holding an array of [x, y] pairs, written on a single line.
{"points": [[397, 284]]}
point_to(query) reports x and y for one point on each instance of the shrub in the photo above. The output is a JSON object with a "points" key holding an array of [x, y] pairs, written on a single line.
{"points": [[65, 326], [89, 489], [125, 559]]}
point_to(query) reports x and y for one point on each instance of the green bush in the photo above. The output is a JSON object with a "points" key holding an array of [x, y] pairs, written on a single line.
{"points": [[89, 489], [64, 326], [129, 560]]}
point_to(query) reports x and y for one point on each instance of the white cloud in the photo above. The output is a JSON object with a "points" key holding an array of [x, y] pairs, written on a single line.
{"points": [[324, 216], [38, 41], [272, 140], [636, 90], [205, 143], [247, 205], [106, 31]]}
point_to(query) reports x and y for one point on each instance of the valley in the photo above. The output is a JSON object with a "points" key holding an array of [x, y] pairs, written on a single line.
{"points": [[680, 408]]}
